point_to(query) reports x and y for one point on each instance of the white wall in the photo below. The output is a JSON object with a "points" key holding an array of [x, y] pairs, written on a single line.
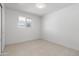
{"points": [[15, 34], [62, 27]]}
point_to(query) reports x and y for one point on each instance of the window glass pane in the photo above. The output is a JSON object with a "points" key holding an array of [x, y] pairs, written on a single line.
{"points": [[24, 22], [21, 21], [28, 22], [21, 18]]}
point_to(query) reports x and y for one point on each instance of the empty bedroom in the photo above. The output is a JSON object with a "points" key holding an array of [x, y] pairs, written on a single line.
{"points": [[39, 29]]}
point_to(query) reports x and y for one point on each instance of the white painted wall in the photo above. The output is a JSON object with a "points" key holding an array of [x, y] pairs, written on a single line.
{"points": [[15, 34], [62, 27]]}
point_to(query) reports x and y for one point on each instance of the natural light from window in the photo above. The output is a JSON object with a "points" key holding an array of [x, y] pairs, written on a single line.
{"points": [[24, 22]]}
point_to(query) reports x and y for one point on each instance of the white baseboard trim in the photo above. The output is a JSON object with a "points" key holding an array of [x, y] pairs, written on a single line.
{"points": [[62, 44]]}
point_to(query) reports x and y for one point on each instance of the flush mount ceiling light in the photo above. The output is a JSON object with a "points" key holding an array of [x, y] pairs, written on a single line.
{"points": [[40, 5]]}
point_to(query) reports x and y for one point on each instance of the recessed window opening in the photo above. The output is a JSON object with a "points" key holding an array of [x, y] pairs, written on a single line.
{"points": [[28, 22], [24, 21]]}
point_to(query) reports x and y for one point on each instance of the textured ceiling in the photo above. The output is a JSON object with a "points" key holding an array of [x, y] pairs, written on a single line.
{"points": [[31, 7]]}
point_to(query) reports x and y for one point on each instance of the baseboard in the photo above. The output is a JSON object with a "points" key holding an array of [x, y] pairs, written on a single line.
{"points": [[62, 45], [20, 42]]}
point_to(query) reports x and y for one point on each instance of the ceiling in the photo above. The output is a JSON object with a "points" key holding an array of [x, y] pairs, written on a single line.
{"points": [[31, 7]]}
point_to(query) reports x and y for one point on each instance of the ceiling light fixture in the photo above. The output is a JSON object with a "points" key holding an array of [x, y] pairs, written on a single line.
{"points": [[40, 5]]}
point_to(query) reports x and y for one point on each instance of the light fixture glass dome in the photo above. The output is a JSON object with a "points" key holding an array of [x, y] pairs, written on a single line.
{"points": [[40, 5]]}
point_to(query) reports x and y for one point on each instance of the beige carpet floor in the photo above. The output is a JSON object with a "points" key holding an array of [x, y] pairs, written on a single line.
{"points": [[39, 48]]}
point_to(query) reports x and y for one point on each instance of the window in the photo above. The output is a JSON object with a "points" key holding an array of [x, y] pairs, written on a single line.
{"points": [[28, 22], [24, 22], [21, 21]]}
